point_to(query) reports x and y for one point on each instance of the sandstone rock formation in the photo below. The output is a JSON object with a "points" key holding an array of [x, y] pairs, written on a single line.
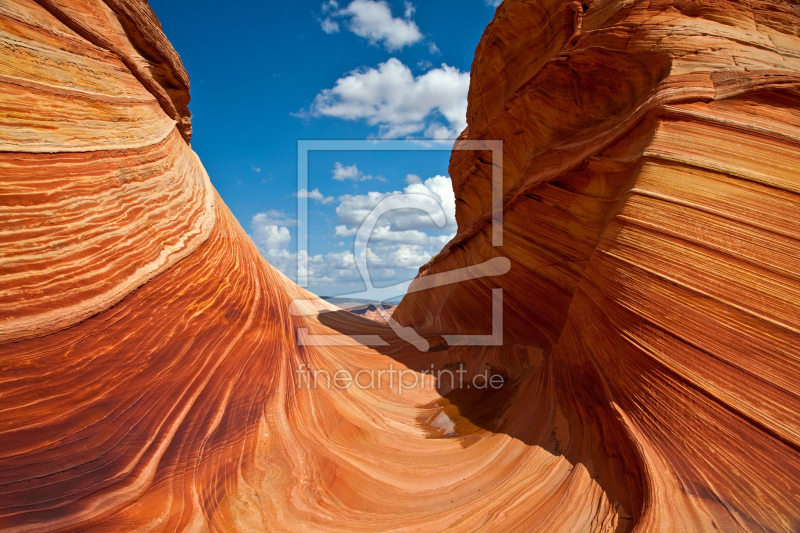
{"points": [[373, 313], [651, 327], [650, 194]]}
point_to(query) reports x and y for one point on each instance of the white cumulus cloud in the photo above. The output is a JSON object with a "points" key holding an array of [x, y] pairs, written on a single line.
{"points": [[402, 240], [353, 210], [400, 104], [270, 231], [373, 20], [273, 217], [330, 26], [314, 195], [350, 172]]}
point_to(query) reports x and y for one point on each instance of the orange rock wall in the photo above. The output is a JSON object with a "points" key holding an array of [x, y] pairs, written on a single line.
{"points": [[99, 192], [650, 194]]}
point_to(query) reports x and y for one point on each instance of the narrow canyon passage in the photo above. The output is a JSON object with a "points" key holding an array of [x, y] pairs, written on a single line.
{"points": [[172, 429]]}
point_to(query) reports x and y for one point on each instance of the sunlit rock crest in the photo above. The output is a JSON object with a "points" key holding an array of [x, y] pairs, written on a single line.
{"points": [[148, 365]]}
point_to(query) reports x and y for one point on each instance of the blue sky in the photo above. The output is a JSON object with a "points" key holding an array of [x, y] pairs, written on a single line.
{"points": [[267, 74]]}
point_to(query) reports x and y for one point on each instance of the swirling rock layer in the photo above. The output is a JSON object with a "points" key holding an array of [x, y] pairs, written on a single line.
{"points": [[99, 192], [149, 356], [649, 191]]}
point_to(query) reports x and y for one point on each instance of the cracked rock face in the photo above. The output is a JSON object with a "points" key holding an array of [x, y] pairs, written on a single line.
{"points": [[651, 322]]}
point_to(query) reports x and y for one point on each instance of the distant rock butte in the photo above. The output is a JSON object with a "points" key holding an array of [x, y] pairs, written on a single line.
{"points": [[373, 313], [651, 325]]}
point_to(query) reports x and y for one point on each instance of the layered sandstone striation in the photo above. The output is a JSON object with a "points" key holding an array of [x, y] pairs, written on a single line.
{"points": [[149, 355], [650, 195], [100, 191]]}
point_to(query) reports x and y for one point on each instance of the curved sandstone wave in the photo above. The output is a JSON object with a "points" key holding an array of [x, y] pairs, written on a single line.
{"points": [[99, 192], [650, 191], [149, 356]]}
